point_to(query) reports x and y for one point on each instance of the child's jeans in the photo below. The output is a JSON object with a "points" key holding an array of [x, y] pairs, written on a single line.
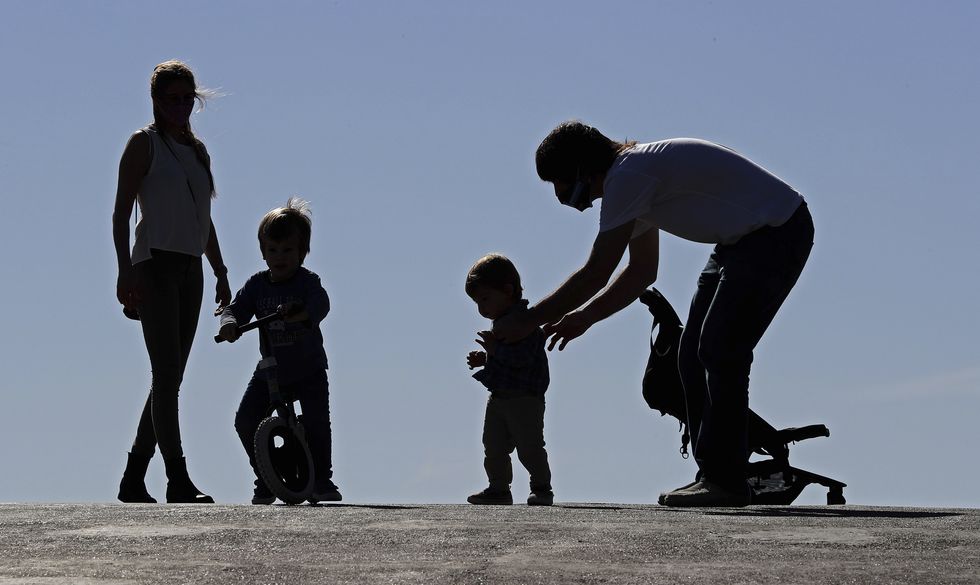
{"points": [[739, 291], [515, 422], [314, 399]]}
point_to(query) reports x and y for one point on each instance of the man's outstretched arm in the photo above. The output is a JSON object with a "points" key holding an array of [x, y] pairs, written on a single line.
{"points": [[640, 272], [582, 285]]}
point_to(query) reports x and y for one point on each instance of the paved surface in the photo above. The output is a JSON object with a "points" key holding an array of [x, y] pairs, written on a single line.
{"points": [[450, 544]]}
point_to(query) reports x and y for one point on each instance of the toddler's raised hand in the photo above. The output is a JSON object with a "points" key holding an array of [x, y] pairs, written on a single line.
{"points": [[476, 359], [487, 341]]}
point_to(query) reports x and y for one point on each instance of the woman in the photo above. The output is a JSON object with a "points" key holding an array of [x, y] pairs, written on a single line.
{"points": [[167, 169]]}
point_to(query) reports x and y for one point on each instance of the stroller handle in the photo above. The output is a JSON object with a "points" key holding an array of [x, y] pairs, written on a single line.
{"points": [[253, 325]]}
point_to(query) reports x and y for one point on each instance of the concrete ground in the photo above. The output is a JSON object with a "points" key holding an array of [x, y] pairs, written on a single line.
{"points": [[450, 544]]}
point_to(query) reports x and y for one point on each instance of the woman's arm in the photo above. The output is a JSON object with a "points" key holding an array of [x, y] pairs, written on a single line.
{"points": [[212, 251], [133, 166]]}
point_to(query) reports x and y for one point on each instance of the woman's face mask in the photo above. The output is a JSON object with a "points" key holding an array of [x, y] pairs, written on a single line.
{"points": [[177, 103]]}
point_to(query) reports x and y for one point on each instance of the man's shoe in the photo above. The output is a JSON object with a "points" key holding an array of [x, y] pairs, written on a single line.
{"points": [[541, 498], [705, 494], [491, 497], [663, 496]]}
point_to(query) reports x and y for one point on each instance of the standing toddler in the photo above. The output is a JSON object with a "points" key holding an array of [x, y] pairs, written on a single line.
{"points": [[516, 374]]}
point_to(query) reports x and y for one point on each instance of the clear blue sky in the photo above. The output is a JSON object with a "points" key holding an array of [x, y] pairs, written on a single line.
{"points": [[411, 128]]}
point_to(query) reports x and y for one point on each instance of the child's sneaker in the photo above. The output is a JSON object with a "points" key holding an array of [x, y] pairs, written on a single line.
{"points": [[262, 495], [541, 498], [326, 493], [492, 497], [325, 496]]}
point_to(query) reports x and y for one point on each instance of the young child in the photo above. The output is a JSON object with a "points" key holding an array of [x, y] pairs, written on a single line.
{"points": [[284, 240], [516, 374]]}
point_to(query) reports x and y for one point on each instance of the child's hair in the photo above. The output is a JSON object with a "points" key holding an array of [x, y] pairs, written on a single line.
{"points": [[282, 222], [573, 150], [163, 75], [494, 271]]}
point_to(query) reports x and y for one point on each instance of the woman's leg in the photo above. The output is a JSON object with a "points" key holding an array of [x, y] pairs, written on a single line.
{"points": [[172, 289]]}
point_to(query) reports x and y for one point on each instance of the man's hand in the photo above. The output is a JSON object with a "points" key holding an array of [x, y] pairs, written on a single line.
{"points": [[229, 332], [487, 341], [568, 328], [476, 359]]}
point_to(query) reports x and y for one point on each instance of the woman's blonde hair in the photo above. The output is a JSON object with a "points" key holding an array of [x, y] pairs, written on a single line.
{"points": [[163, 75]]}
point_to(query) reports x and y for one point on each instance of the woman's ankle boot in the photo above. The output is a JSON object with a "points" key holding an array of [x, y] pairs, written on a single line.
{"points": [[180, 489], [132, 489]]}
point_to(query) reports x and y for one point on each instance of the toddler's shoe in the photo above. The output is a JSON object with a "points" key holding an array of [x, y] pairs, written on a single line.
{"points": [[262, 495], [541, 498], [705, 494], [492, 497], [332, 495]]}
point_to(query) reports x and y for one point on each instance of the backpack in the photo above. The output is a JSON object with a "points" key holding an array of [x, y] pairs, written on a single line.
{"points": [[662, 386]]}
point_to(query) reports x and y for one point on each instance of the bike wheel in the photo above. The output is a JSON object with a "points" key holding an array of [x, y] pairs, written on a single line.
{"points": [[284, 460]]}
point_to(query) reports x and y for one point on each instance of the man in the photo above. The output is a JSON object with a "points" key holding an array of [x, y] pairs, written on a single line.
{"points": [[699, 191]]}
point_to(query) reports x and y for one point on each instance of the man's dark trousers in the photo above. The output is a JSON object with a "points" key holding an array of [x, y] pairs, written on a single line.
{"points": [[739, 291]]}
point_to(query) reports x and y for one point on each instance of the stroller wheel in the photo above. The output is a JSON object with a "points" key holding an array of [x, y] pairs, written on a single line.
{"points": [[283, 460]]}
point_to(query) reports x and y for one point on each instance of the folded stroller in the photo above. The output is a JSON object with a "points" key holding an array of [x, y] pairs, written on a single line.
{"points": [[773, 480]]}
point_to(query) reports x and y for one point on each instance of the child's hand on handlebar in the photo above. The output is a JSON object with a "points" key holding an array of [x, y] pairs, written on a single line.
{"points": [[476, 359], [293, 312], [229, 332]]}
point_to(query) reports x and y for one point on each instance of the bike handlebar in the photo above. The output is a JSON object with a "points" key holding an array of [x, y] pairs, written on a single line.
{"points": [[253, 325]]}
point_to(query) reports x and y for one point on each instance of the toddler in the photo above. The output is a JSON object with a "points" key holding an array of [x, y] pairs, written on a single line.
{"points": [[284, 240], [516, 374]]}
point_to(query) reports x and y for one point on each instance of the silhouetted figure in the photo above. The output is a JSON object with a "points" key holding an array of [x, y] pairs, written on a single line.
{"points": [[516, 374], [699, 191], [284, 240], [771, 478], [167, 169]]}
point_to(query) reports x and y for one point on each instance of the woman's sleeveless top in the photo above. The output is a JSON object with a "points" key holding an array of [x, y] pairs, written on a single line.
{"points": [[174, 201]]}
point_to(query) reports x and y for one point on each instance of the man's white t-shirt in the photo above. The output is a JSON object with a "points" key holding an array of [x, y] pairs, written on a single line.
{"points": [[694, 189]]}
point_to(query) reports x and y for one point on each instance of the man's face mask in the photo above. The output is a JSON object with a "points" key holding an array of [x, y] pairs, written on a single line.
{"points": [[577, 196]]}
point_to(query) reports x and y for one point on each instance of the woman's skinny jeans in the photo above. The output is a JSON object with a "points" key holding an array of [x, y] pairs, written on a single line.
{"points": [[172, 285]]}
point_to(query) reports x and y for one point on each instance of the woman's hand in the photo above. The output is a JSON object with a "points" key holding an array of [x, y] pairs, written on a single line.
{"points": [[568, 328], [222, 293], [128, 291]]}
